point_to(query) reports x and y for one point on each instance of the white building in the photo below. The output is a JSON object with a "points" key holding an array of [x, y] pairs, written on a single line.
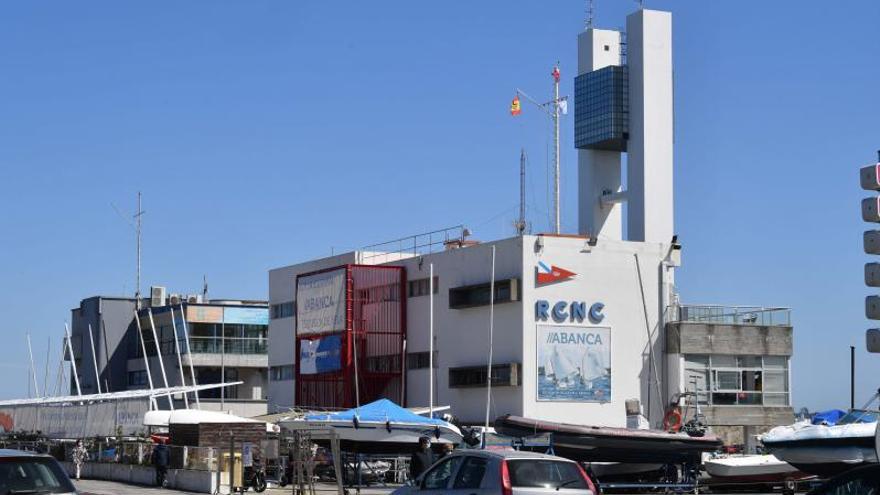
{"points": [[582, 323]]}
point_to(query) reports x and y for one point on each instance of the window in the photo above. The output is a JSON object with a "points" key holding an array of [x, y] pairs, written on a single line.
{"points": [[419, 360], [470, 476], [542, 473], [281, 373], [33, 475], [419, 287], [725, 380], [438, 477], [283, 310], [503, 375], [137, 378], [472, 296]]}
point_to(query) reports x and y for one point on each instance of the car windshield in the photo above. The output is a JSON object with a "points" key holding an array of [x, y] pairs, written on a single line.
{"points": [[32, 476], [545, 473]]}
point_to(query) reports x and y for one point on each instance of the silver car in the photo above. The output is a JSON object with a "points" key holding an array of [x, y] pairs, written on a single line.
{"points": [[32, 474], [503, 472]]}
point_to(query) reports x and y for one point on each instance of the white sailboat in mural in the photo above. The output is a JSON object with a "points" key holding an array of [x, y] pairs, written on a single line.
{"points": [[564, 373]]}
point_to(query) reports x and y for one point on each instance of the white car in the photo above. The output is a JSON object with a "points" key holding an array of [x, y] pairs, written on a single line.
{"points": [[501, 472], [32, 474]]}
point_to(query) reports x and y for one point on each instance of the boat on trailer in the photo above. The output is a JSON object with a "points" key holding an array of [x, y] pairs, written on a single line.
{"points": [[608, 444], [751, 469], [380, 427], [827, 450]]}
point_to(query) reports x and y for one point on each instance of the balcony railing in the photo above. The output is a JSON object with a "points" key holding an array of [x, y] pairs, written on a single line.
{"points": [[207, 345], [730, 315]]}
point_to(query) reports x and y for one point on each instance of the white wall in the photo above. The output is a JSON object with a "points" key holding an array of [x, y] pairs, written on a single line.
{"points": [[649, 161], [461, 335]]}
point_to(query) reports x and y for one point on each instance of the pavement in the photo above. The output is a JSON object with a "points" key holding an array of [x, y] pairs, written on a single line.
{"points": [[101, 487]]}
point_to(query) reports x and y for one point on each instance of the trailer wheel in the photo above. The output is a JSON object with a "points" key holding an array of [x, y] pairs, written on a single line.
{"points": [[789, 487]]}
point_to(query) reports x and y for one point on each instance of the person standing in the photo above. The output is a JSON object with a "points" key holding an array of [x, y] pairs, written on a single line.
{"points": [[447, 449], [422, 459], [160, 459], [79, 457]]}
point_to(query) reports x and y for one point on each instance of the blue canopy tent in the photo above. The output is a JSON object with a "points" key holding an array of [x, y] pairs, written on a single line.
{"points": [[381, 411]]}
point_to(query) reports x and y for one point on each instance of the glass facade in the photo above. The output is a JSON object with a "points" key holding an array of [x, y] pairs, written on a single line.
{"points": [[208, 338], [601, 109], [723, 380]]}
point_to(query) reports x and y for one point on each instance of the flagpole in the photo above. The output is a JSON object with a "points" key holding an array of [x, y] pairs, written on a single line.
{"points": [[491, 338], [431, 339], [556, 145]]}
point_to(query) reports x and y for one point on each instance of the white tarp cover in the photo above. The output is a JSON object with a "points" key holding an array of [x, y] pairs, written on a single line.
{"points": [[320, 302]]}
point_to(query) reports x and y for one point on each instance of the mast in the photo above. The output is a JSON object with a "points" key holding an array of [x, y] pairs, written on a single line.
{"points": [[140, 332], [138, 215], [95, 359], [159, 355], [33, 369], [72, 359], [491, 336], [192, 370], [521, 223], [46, 370], [556, 75], [431, 339], [179, 360]]}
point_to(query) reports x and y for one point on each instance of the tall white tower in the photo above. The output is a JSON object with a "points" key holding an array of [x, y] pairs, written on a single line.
{"points": [[626, 108]]}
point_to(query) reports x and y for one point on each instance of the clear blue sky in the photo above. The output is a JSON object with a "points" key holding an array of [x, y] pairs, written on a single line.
{"points": [[264, 133]]}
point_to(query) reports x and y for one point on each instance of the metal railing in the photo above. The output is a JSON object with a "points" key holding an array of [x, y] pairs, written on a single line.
{"points": [[414, 245], [730, 315], [217, 345]]}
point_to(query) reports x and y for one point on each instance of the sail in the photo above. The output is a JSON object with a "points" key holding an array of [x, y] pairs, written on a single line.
{"points": [[562, 367]]}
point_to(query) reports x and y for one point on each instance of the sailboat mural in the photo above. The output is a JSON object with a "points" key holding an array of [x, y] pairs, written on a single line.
{"points": [[576, 364]]}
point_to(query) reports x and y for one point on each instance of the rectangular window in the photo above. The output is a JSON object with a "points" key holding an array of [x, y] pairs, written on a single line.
{"points": [[281, 373], [283, 310], [503, 375], [419, 360], [472, 296], [420, 287], [738, 380], [137, 378]]}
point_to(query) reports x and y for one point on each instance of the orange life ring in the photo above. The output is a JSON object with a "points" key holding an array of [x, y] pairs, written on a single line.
{"points": [[672, 420]]}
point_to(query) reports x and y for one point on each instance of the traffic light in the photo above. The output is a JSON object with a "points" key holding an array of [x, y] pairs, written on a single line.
{"points": [[869, 177]]}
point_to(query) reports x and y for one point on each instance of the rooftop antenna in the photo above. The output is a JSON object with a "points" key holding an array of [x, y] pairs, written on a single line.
{"points": [[204, 288], [136, 225], [520, 224], [589, 15]]}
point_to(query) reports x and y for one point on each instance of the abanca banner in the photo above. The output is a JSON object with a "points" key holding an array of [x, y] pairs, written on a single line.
{"points": [[321, 355], [320, 303], [574, 363]]}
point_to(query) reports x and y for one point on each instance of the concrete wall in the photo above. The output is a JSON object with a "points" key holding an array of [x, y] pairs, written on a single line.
{"points": [[710, 338], [110, 318], [179, 479]]}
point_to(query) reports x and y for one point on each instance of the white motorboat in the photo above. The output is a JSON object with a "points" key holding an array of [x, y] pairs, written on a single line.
{"points": [[751, 468], [378, 427], [825, 450]]}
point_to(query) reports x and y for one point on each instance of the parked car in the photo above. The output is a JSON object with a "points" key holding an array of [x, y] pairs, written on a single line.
{"points": [[503, 472], [29, 472], [859, 481]]}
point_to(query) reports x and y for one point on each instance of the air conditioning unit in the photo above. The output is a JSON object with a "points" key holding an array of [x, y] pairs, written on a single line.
{"points": [[174, 299], [194, 298], [157, 296]]}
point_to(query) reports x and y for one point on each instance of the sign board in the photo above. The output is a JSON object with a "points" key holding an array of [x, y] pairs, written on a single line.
{"points": [[321, 355], [320, 303], [246, 316], [204, 314], [247, 454], [574, 363]]}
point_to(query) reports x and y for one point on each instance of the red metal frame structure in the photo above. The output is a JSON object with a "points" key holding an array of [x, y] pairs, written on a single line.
{"points": [[375, 326]]}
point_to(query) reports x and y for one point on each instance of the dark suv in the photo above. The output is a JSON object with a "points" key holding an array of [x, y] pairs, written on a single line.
{"points": [[27, 473]]}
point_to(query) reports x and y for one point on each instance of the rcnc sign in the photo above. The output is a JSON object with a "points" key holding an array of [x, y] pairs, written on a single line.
{"points": [[574, 311]]}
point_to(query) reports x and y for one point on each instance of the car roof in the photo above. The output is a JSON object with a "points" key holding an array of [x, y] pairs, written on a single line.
{"points": [[18, 453], [511, 454]]}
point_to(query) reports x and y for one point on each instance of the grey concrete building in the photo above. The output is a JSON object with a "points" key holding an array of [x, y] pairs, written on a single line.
{"points": [[737, 362], [187, 341]]}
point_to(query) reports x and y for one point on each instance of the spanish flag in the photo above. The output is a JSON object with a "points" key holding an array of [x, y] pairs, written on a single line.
{"points": [[514, 106]]}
